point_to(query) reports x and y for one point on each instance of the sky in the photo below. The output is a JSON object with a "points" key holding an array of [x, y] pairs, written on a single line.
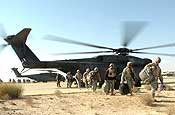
{"points": [[91, 21]]}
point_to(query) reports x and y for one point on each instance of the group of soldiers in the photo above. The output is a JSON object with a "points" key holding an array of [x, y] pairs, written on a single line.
{"points": [[90, 78]]}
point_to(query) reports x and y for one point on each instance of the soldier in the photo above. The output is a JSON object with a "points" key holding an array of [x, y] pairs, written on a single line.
{"points": [[95, 77], [156, 74], [79, 77], [58, 80], [110, 76], [128, 76], [69, 78], [85, 77]]}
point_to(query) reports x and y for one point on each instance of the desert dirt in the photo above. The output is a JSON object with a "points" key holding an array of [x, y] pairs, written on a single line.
{"points": [[41, 99]]}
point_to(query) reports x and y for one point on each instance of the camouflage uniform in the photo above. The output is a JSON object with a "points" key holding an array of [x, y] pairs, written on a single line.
{"points": [[85, 77], [58, 78], [79, 77], [127, 75], [69, 78], [95, 77], [156, 71], [110, 76]]}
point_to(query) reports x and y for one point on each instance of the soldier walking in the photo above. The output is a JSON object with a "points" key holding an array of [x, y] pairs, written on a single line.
{"points": [[58, 79], [156, 74], [95, 77], [110, 76], [128, 76], [69, 78], [85, 77], [79, 77]]}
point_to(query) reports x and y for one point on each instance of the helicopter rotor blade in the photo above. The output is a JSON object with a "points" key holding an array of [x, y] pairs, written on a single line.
{"points": [[154, 47], [61, 39], [130, 30], [163, 54], [93, 52]]}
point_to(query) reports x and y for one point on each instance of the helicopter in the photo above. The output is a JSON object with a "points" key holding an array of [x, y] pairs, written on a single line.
{"points": [[40, 75], [119, 58]]}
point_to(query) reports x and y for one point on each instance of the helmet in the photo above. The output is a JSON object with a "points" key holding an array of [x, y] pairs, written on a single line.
{"points": [[129, 64], [78, 70], [96, 69], [87, 69], [111, 65], [157, 60]]}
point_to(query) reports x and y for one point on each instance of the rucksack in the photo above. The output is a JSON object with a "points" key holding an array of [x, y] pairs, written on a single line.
{"points": [[124, 89]]}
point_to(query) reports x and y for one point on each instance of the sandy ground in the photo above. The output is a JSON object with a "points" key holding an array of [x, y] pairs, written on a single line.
{"points": [[40, 99]]}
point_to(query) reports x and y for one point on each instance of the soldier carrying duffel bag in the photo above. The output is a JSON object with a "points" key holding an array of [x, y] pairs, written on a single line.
{"points": [[127, 77], [151, 73]]}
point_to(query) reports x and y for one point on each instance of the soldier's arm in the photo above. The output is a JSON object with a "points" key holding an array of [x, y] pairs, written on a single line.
{"points": [[84, 74], [160, 77], [133, 74], [81, 77], [123, 74], [76, 76]]}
